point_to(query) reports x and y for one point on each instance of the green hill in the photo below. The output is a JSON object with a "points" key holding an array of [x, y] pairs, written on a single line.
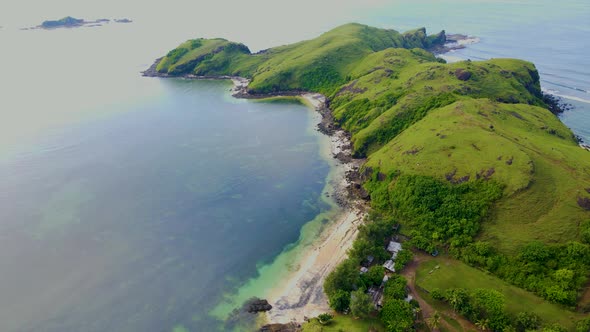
{"points": [[320, 64], [466, 156]]}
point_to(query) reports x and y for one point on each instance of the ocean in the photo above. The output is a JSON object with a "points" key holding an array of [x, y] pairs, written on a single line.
{"points": [[142, 204]]}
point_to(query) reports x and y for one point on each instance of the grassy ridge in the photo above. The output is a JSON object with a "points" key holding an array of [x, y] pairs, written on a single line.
{"points": [[321, 64]]}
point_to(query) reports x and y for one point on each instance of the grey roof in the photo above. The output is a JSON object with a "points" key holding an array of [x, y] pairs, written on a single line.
{"points": [[389, 265], [394, 246]]}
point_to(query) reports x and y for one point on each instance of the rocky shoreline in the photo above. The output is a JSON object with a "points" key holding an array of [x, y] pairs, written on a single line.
{"points": [[454, 42]]}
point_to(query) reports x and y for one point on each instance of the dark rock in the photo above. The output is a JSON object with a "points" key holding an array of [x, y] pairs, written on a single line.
{"points": [[151, 71], [257, 305], [366, 173], [584, 203], [462, 74], [516, 115], [556, 104], [357, 190], [290, 327], [343, 157]]}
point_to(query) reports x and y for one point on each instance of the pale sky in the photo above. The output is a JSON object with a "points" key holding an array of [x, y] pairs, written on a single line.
{"points": [[235, 18]]}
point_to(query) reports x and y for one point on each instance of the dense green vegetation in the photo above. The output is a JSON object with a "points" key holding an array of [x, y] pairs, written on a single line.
{"points": [[441, 274], [439, 213], [555, 272], [465, 156]]}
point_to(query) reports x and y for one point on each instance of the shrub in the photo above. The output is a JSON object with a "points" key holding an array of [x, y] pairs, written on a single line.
{"points": [[555, 328], [437, 294], [583, 325], [527, 321], [325, 318]]}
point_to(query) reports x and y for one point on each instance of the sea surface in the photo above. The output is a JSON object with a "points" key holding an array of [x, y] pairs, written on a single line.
{"points": [[134, 204], [142, 204]]}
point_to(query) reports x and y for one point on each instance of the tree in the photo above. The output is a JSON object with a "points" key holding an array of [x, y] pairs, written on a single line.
{"points": [[434, 321], [527, 321], [488, 304], [395, 288], [403, 258], [397, 315], [339, 300], [361, 304], [458, 298], [344, 277], [482, 324], [374, 276], [325, 318]]}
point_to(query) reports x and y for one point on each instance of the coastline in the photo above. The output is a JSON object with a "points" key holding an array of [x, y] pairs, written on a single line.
{"points": [[300, 294], [324, 242]]}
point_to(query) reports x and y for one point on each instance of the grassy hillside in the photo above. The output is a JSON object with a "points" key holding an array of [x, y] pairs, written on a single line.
{"points": [[466, 156], [524, 148], [411, 84]]}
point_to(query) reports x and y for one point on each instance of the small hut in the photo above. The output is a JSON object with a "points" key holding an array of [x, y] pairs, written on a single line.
{"points": [[389, 265]]}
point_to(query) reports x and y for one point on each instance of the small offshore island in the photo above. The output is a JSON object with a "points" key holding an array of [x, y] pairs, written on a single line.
{"points": [[478, 197], [72, 22]]}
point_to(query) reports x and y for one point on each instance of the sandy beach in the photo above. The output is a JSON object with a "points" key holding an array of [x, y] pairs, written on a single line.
{"points": [[301, 294]]}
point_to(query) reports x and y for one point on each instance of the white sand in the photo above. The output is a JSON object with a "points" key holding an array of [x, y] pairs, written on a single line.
{"points": [[301, 294]]}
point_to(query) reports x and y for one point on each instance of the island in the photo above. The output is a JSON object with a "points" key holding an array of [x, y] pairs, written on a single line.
{"points": [[72, 22], [477, 196], [66, 22]]}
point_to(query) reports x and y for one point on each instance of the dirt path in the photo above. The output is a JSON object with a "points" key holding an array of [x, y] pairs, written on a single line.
{"points": [[409, 273]]}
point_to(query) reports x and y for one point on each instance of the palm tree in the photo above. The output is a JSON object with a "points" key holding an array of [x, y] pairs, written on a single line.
{"points": [[482, 324], [434, 321]]}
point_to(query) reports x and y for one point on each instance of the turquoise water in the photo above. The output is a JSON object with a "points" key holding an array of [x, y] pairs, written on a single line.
{"points": [[137, 204]]}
